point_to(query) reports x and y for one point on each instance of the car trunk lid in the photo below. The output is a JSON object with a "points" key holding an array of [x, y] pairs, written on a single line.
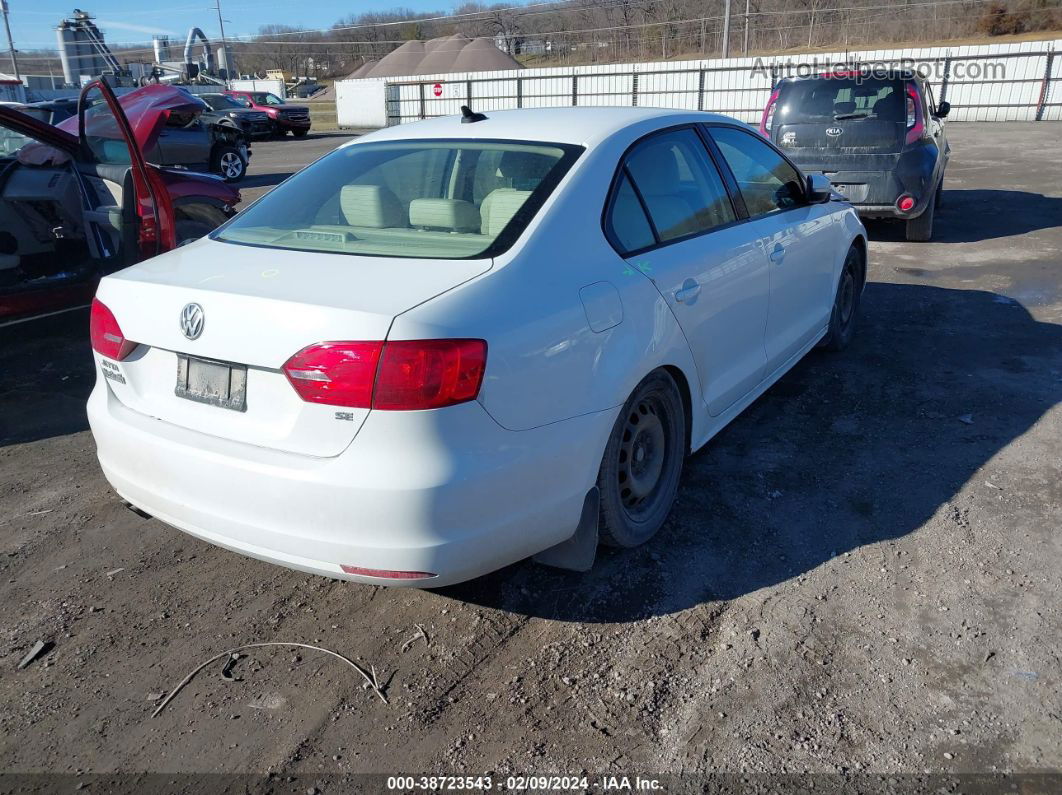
{"points": [[259, 308]]}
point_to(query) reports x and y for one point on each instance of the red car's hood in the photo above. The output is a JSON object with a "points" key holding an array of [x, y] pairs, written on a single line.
{"points": [[147, 110]]}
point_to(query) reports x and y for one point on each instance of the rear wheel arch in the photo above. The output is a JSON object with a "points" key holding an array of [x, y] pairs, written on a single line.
{"points": [[860, 244], [683, 384]]}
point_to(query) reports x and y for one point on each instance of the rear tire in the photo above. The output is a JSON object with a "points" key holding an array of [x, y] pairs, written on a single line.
{"points": [[196, 220], [845, 303], [189, 231], [920, 229], [642, 465]]}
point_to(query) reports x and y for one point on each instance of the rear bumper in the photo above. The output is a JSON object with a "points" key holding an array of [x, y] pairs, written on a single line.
{"points": [[448, 492], [874, 183], [874, 193]]}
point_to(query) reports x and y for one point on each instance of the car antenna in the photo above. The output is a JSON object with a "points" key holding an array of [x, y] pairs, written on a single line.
{"points": [[468, 117]]}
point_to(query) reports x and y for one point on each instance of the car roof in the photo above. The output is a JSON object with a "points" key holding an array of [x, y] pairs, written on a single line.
{"points": [[554, 125]]}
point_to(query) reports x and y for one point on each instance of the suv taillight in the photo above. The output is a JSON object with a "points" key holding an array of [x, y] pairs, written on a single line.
{"points": [[105, 333], [400, 375], [915, 124], [768, 115]]}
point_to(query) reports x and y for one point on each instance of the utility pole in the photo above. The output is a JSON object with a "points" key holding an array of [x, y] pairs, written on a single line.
{"points": [[745, 48], [726, 30], [224, 47], [10, 43]]}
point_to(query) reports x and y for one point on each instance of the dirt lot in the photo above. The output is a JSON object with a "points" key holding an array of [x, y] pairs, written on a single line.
{"points": [[862, 574]]}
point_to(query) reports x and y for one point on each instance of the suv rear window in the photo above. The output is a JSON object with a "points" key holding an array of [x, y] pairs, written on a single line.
{"points": [[437, 199], [838, 98]]}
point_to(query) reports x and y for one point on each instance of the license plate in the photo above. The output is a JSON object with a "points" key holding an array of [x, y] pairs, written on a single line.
{"points": [[215, 383], [842, 188]]}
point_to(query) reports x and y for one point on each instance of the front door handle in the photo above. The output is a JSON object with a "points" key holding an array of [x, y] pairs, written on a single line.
{"points": [[689, 290], [777, 253]]}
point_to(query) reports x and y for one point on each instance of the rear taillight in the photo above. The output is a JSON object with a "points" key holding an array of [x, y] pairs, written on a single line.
{"points": [[400, 375], [905, 203], [105, 333], [429, 374], [768, 115], [915, 124], [336, 373]]}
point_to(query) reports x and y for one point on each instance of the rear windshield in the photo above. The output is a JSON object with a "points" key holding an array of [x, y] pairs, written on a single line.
{"points": [[840, 98], [425, 199]]}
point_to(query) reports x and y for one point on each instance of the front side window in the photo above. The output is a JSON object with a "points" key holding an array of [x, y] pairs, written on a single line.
{"points": [[680, 187], [421, 198], [767, 182]]}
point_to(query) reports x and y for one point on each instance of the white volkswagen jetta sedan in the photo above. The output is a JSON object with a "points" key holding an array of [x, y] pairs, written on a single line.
{"points": [[448, 346]]}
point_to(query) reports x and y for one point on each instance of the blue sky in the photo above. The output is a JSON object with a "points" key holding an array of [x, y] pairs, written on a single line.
{"points": [[33, 21]]}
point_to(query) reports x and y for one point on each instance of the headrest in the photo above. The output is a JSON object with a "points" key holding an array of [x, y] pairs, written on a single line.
{"points": [[373, 206], [843, 107], [525, 170], [450, 215], [499, 208]]}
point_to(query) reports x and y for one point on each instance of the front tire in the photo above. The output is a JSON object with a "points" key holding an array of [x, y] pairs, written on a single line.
{"points": [[229, 163], [845, 303], [640, 471], [299, 133]]}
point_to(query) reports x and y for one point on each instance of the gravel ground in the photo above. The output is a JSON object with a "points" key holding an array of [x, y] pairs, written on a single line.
{"points": [[861, 575]]}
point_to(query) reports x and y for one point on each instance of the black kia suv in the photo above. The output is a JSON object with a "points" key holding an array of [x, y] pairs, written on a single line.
{"points": [[878, 135]]}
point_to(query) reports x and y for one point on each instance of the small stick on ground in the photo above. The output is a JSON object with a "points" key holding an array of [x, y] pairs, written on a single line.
{"points": [[420, 633], [365, 674]]}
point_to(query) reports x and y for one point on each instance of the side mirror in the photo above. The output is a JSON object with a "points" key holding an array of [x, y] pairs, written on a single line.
{"points": [[943, 109], [819, 189]]}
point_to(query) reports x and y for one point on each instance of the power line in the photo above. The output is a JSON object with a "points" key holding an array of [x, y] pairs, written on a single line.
{"points": [[257, 40]]}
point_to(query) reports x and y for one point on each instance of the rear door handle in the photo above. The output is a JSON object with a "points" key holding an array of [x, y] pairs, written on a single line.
{"points": [[777, 253], [689, 290]]}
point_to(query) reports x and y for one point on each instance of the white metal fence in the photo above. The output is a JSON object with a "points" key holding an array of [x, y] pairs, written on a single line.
{"points": [[992, 82]]}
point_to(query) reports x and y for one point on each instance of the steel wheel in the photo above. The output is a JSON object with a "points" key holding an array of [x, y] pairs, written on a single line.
{"points": [[641, 455], [642, 464], [846, 297], [845, 303]]}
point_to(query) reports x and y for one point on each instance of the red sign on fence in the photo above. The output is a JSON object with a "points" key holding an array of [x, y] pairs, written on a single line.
{"points": [[437, 89]]}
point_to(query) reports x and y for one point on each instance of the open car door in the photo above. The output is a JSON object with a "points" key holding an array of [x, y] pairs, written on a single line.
{"points": [[139, 222]]}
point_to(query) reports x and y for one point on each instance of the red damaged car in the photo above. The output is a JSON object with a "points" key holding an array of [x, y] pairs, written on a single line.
{"points": [[75, 207]]}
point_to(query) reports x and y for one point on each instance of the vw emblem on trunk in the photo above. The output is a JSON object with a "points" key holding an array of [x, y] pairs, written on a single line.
{"points": [[192, 321], [834, 131]]}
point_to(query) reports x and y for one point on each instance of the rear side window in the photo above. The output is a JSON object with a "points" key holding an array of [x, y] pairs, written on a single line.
{"points": [[766, 180], [678, 187], [828, 99], [627, 225]]}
